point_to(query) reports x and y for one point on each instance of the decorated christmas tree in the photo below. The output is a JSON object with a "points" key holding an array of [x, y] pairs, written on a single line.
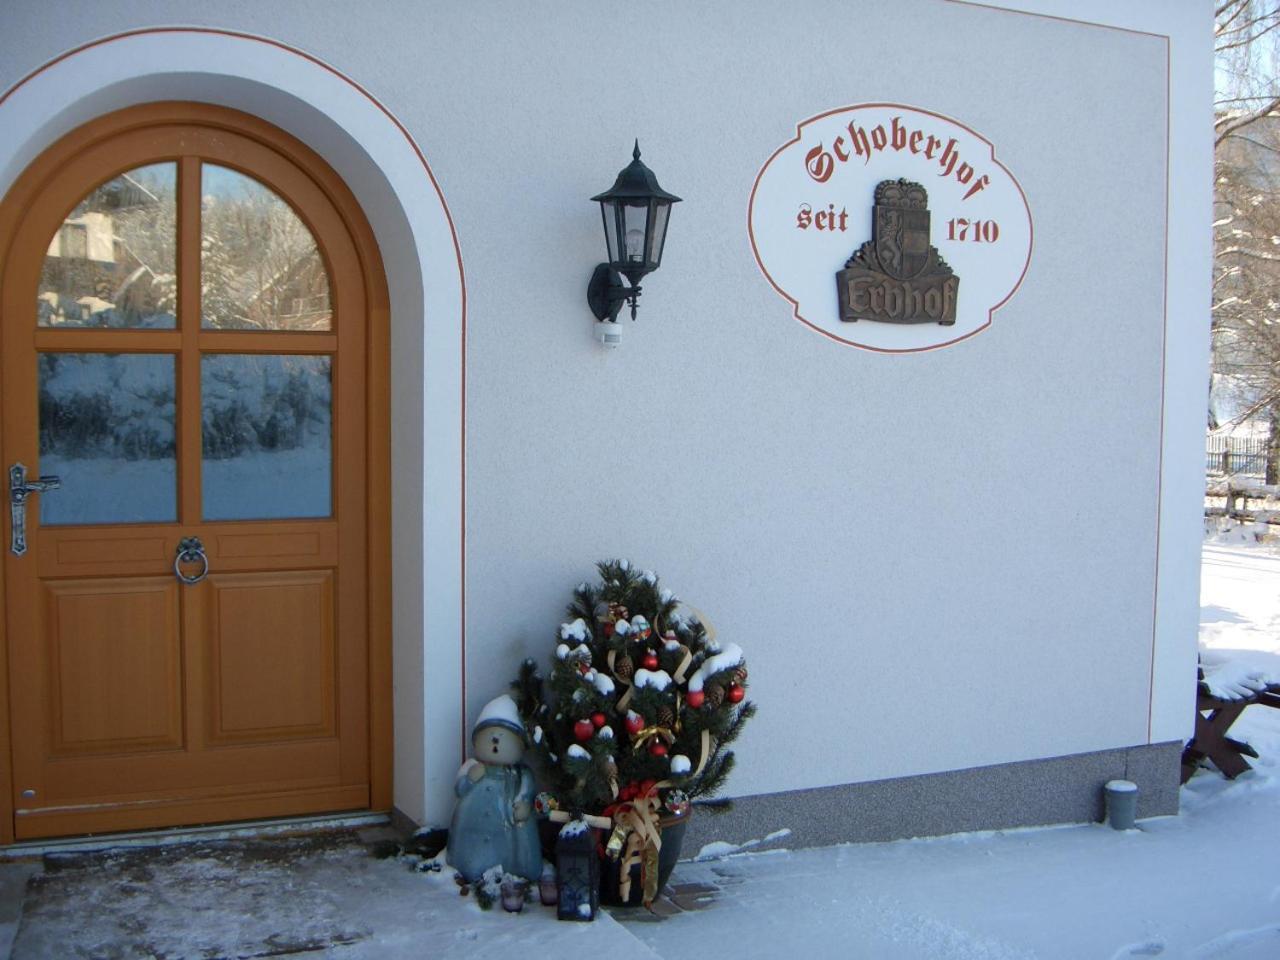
{"points": [[640, 707]]}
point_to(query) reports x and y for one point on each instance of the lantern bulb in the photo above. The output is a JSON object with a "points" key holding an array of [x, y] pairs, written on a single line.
{"points": [[635, 245]]}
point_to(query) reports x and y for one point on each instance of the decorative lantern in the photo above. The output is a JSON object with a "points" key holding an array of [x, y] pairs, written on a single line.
{"points": [[635, 211], [577, 872]]}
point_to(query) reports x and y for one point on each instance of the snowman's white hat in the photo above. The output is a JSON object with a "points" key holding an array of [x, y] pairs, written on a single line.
{"points": [[499, 712]]}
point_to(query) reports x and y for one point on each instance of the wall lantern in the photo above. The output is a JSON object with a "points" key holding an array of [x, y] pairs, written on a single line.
{"points": [[635, 212]]}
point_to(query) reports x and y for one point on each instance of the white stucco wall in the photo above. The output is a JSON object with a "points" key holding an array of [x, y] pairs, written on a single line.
{"points": [[933, 561]]}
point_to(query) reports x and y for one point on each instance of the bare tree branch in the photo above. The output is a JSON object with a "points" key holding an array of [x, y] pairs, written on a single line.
{"points": [[1248, 40], [1227, 126]]}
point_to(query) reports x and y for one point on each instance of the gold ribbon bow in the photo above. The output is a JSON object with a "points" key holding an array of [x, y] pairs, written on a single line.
{"points": [[637, 839]]}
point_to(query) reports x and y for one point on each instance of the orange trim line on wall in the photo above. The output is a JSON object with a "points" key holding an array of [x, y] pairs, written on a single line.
{"points": [[1164, 337], [453, 233]]}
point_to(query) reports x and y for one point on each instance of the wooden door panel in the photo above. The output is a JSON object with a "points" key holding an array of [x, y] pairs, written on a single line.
{"points": [[296, 546], [149, 549], [272, 545], [271, 656], [71, 552], [305, 764], [132, 550], [114, 670]]}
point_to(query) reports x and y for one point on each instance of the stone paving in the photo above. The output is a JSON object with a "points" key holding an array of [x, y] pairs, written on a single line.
{"points": [[333, 893], [676, 898]]}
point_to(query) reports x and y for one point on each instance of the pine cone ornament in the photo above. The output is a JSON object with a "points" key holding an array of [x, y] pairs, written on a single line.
{"points": [[715, 695], [623, 668], [740, 674], [666, 717]]}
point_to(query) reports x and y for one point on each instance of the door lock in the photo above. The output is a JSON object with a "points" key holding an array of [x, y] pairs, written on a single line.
{"points": [[19, 490]]}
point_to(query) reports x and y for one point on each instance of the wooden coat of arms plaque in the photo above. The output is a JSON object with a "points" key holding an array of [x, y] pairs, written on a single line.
{"points": [[898, 276]]}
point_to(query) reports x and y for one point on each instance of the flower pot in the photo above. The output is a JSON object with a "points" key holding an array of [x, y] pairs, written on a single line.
{"points": [[673, 830]]}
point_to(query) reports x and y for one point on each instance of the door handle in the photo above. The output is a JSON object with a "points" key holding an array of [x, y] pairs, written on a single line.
{"points": [[20, 488], [190, 550]]}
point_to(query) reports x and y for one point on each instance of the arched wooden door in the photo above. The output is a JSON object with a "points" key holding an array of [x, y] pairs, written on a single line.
{"points": [[191, 336]]}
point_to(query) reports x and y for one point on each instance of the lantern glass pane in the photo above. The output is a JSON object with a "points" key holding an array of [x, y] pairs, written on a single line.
{"points": [[659, 233], [610, 214], [635, 223]]}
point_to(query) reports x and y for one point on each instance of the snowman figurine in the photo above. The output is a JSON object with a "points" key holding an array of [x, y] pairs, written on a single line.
{"points": [[493, 820]]}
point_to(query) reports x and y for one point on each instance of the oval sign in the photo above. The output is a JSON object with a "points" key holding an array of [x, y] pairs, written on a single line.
{"points": [[889, 227]]}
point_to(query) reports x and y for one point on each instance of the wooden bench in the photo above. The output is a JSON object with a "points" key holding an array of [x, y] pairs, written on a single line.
{"points": [[1214, 717]]}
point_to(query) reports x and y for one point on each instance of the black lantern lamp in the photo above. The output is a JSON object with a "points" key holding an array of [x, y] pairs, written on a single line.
{"points": [[577, 872], [635, 211]]}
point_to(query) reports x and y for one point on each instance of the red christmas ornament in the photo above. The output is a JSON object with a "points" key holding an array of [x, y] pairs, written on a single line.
{"points": [[658, 749], [734, 693], [599, 719], [635, 723], [650, 661], [584, 730], [584, 667], [695, 698]]}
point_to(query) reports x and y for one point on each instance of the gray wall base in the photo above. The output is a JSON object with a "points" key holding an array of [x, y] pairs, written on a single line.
{"points": [[1028, 793]]}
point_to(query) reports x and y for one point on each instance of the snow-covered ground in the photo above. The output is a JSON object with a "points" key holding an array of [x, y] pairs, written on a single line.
{"points": [[1202, 885]]}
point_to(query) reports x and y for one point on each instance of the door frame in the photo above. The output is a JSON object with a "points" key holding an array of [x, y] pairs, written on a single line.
{"points": [[377, 385]]}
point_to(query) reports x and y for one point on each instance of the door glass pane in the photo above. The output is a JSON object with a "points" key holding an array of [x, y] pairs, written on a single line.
{"points": [[267, 424], [111, 263], [106, 428], [260, 267]]}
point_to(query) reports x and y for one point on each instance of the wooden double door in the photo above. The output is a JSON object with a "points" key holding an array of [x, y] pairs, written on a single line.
{"points": [[191, 302]]}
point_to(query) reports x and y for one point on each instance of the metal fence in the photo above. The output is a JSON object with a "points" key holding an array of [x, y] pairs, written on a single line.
{"points": [[1241, 456]]}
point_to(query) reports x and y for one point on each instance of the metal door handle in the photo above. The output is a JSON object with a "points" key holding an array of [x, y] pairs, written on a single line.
{"points": [[19, 490], [190, 550]]}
